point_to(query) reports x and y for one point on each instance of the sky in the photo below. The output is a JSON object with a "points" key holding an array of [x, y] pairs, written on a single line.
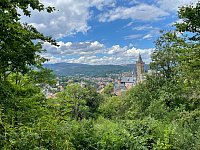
{"points": [[100, 32]]}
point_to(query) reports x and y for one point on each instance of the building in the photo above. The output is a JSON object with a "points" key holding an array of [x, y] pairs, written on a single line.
{"points": [[126, 82], [140, 70]]}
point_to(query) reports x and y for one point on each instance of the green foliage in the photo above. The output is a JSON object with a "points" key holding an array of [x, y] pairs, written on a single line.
{"points": [[102, 134], [112, 107], [72, 101], [171, 94], [190, 56], [137, 101], [165, 56], [79, 102], [46, 133], [42, 76], [108, 89], [18, 49], [161, 113], [111, 135], [93, 101], [82, 135], [191, 21]]}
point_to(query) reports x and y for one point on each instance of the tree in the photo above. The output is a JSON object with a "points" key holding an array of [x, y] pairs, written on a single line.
{"points": [[42, 76], [93, 101], [78, 102], [191, 21], [21, 102], [108, 89], [190, 56], [112, 107], [176, 58], [165, 57], [18, 47]]}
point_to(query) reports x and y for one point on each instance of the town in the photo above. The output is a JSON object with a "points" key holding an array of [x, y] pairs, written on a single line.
{"points": [[120, 83]]}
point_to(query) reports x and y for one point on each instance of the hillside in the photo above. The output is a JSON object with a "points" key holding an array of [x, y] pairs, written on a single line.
{"points": [[72, 69]]}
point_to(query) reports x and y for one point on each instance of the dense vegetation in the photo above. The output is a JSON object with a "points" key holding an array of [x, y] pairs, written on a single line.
{"points": [[161, 113]]}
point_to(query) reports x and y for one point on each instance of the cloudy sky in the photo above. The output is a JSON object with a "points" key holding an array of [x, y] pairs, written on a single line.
{"points": [[104, 31]]}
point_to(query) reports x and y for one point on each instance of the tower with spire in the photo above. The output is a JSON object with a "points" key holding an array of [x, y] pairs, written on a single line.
{"points": [[125, 82], [139, 69]]}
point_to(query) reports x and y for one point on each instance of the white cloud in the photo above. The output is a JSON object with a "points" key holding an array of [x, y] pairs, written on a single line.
{"points": [[174, 22], [128, 25], [116, 49], [145, 27], [94, 60], [70, 17], [143, 12], [79, 49], [132, 2], [100, 4], [148, 36], [173, 5], [133, 36], [94, 53]]}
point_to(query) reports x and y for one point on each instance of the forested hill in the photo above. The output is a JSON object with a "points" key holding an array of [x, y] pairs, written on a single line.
{"points": [[72, 69]]}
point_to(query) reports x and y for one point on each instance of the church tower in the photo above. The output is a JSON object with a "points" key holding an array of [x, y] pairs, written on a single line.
{"points": [[139, 69]]}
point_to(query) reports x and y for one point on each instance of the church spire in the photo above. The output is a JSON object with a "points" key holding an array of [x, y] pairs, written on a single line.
{"points": [[140, 59]]}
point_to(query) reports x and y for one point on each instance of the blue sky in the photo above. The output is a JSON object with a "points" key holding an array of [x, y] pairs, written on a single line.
{"points": [[104, 31]]}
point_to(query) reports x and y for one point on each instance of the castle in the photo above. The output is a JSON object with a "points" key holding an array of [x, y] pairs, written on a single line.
{"points": [[124, 83]]}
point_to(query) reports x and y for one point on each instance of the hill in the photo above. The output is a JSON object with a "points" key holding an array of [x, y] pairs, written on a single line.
{"points": [[74, 69]]}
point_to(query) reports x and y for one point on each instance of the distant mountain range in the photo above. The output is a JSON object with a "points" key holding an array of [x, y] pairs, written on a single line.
{"points": [[74, 69]]}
